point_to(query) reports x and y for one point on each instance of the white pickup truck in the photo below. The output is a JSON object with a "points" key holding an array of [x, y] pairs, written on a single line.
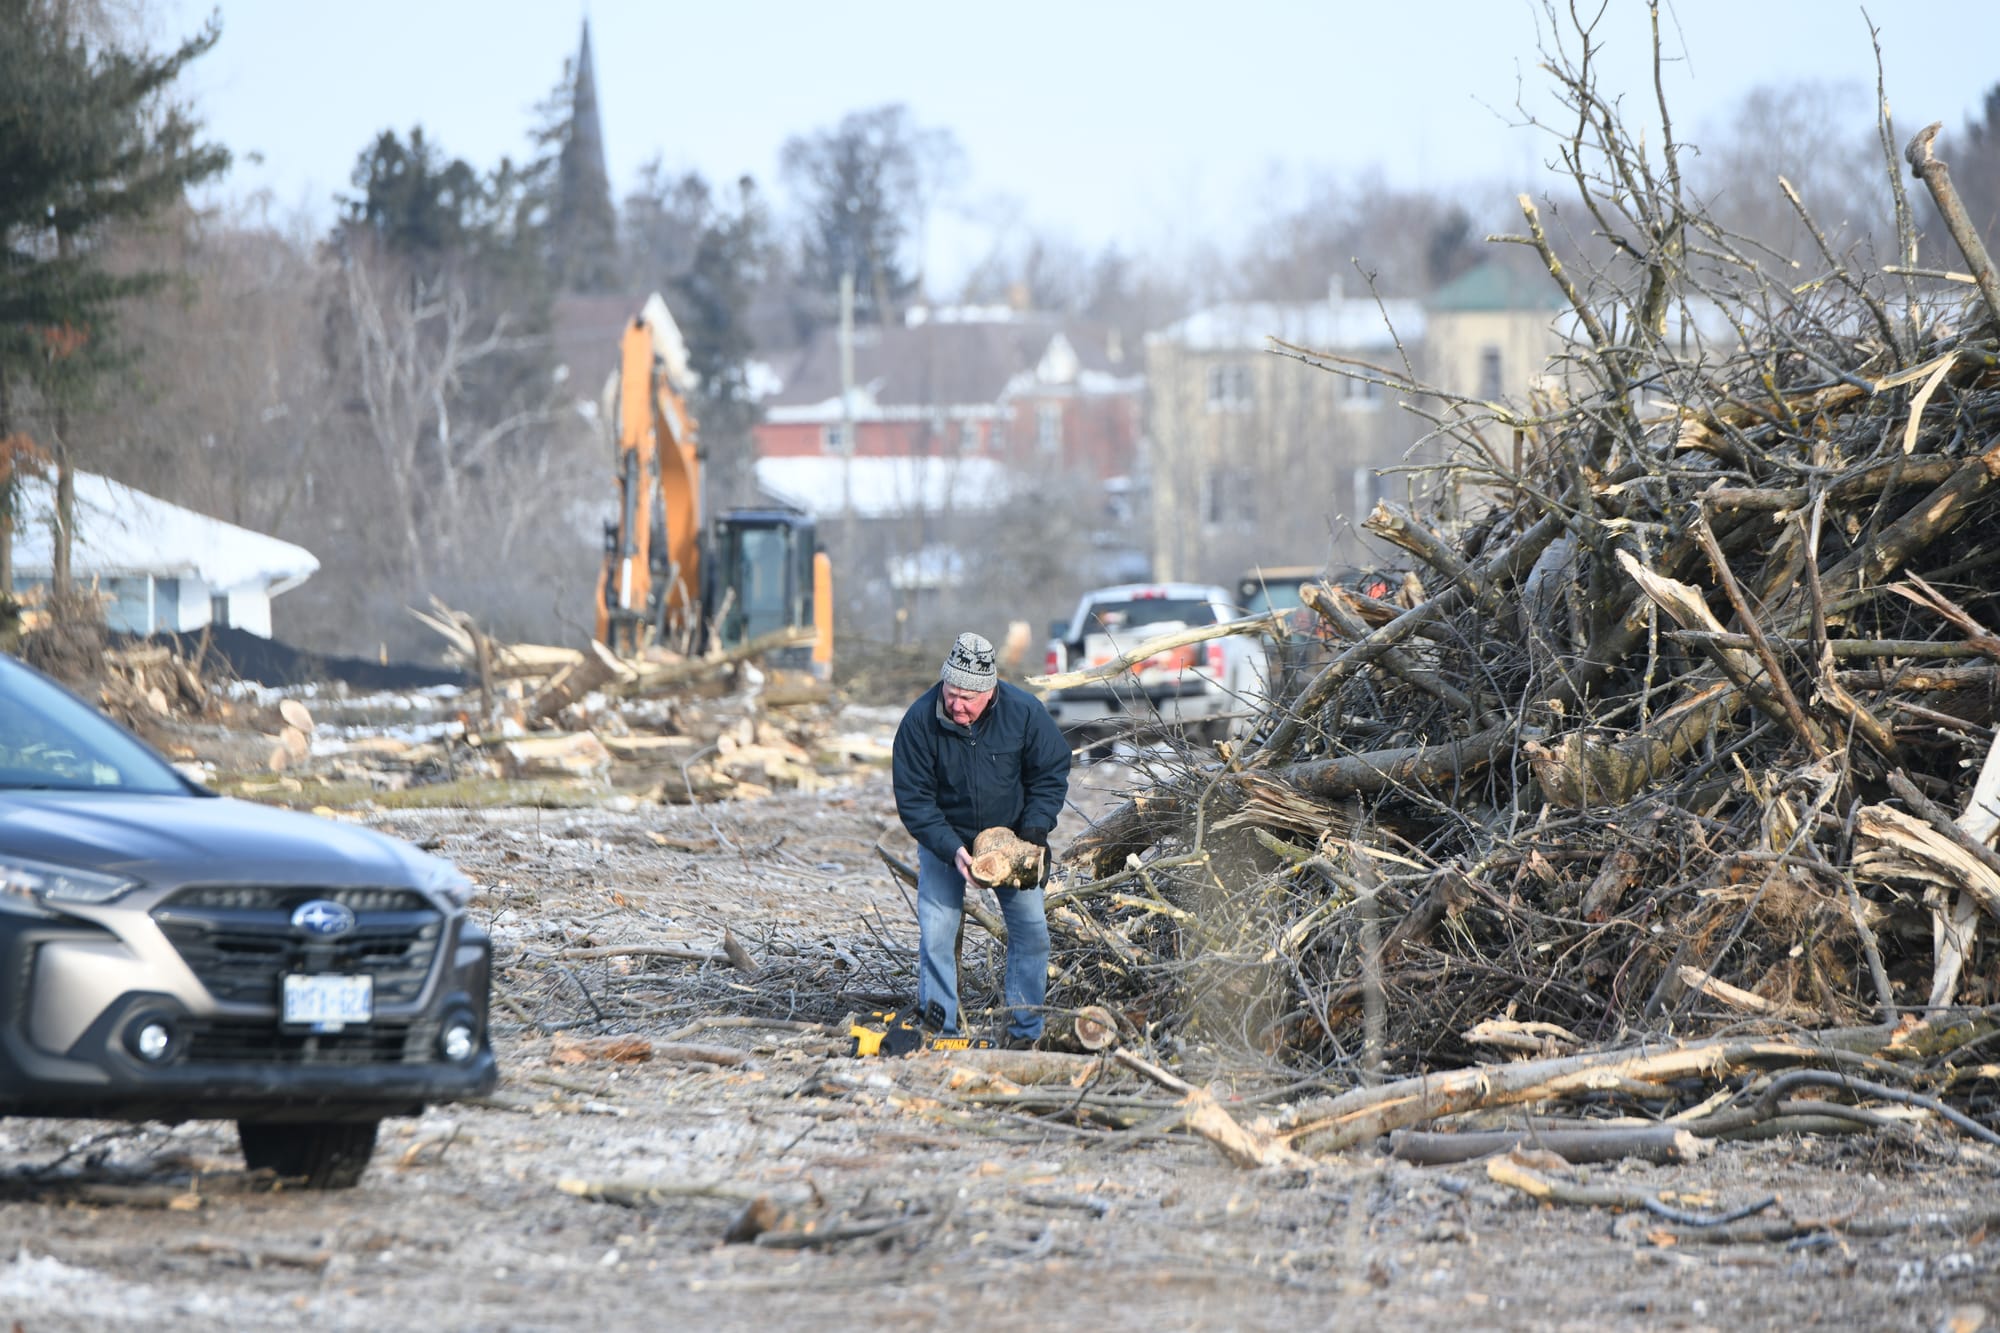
{"points": [[1204, 690]]}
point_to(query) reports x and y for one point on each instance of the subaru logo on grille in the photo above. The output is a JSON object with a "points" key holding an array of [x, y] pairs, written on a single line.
{"points": [[320, 917]]}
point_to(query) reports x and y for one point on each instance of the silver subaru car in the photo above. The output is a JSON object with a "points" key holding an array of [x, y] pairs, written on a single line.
{"points": [[169, 954]]}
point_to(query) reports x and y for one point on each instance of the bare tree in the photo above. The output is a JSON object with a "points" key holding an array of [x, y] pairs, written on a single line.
{"points": [[231, 398], [411, 340], [1412, 240], [1739, 166]]}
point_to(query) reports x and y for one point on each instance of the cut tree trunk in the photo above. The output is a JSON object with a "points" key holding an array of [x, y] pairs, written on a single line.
{"points": [[1002, 861]]}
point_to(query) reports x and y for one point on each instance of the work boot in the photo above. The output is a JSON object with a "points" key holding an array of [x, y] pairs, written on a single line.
{"points": [[1011, 1042]]}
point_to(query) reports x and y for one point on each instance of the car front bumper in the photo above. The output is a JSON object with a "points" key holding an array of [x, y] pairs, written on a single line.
{"points": [[1171, 704], [74, 996]]}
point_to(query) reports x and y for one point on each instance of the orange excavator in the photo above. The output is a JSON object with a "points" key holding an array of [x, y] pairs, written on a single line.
{"points": [[755, 574]]}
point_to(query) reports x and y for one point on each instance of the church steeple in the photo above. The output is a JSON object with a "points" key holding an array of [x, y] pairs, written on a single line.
{"points": [[585, 227], [586, 131]]}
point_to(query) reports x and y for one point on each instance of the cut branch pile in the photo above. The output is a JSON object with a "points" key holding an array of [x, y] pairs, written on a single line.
{"points": [[1684, 721]]}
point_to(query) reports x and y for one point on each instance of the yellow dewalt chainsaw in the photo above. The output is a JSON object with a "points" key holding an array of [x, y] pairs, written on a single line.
{"points": [[898, 1032]]}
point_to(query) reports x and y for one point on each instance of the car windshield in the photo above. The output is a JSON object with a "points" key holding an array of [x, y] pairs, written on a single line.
{"points": [[50, 741], [1110, 617], [1273, 597]]}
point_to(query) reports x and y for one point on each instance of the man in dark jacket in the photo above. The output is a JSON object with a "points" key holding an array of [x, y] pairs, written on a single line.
{"points": [[971, 754]]}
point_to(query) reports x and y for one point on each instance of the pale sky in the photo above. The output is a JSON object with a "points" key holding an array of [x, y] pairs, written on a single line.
{"points": [[1157, 124]]}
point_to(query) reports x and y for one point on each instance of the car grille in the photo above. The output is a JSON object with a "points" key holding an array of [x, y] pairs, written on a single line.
{"points": [[240, 940], [211, 1041]]}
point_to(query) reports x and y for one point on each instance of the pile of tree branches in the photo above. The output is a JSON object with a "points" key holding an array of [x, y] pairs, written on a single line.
{"points": [[1683, 718]]}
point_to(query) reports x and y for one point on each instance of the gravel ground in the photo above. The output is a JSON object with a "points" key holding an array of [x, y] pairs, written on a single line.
{"points": [[905, 1201]]}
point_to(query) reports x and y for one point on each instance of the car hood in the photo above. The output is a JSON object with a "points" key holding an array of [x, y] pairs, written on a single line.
{"points": [[167, 841]]}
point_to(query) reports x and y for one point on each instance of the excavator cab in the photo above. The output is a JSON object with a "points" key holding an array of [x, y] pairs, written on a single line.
{"points": [[761, 578]]}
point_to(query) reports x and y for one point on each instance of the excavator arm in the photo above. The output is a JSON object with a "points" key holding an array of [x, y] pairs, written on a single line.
{"points": [[650, 584]]}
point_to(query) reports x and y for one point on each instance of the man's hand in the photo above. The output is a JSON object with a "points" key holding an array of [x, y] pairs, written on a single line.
{"points": [[964, 863], [1039, 836]]}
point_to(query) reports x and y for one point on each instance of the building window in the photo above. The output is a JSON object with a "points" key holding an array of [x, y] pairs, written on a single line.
{"points": [[1229, 388], [833, 439], [968, 437], [1228, 495], [1048, 428], [1489, 373], [218, 610]]}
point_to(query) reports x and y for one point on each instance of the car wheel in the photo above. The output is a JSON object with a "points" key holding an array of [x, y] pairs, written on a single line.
{"points": [[326, 1154]]}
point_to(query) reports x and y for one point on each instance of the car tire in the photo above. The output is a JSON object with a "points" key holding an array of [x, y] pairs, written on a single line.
{"points": [[325, 1154]]}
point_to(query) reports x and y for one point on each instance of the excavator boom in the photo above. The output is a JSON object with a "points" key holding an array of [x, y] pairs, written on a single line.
{"points": [[651, 581], [664, 581]]}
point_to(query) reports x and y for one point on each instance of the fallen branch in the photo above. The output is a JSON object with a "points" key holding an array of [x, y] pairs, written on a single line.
{"points": [[1365, 1114], [683, 952], [1658, 1144], [1204, 1115], [1511, 1172]]}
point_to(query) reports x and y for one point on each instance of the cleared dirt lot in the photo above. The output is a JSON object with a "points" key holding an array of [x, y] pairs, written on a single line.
{"points": [[955, 1209]]}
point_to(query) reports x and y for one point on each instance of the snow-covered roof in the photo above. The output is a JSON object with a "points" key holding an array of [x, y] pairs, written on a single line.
{"points": [[886, 487], [958, 365], [863, 405], [121, 531], [1318, 324]]}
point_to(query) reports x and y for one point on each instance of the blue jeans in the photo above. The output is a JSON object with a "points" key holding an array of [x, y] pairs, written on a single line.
{"points": [[940, 912]]}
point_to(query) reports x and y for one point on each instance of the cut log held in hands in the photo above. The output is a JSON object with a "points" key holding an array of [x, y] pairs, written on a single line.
{"points": [[1002, 861]]}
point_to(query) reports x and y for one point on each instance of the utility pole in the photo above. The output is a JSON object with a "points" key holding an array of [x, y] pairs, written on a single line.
{"points": [[847, 413]]}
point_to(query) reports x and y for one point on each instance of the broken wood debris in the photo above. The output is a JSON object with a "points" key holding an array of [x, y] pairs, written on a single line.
{"points": [[583, 722]]}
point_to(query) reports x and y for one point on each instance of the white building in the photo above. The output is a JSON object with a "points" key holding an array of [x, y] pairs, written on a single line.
{"points": [[159, 567]]}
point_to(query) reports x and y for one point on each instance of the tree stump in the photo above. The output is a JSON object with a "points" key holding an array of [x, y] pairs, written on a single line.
{"points": [[1002, 861]]}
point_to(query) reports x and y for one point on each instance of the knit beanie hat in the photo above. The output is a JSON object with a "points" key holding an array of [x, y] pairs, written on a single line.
{"points": [[969, 664]]}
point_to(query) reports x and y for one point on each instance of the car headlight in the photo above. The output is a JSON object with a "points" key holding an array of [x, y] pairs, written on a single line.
{"points": [[437, 875], [50, 883]]}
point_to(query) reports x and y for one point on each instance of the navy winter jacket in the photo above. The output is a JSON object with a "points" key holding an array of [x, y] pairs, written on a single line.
{"points": [[1010, 768]]}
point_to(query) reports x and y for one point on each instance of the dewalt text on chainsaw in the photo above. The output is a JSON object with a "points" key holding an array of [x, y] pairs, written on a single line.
{"points": [[898, 1032]]}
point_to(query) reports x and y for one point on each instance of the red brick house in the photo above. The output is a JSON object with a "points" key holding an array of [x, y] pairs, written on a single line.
{"points": [[976, 391]]}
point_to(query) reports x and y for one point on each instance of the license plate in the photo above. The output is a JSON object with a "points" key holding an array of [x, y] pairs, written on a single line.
{"points": [[328, 1003]]}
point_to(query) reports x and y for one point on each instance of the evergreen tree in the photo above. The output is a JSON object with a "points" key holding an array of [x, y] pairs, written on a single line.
{"points": [[438, 323], [87, 140], [711, 299], [445, 222], [413, 200], [708, 260], [865, 185], [662, 219]]}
